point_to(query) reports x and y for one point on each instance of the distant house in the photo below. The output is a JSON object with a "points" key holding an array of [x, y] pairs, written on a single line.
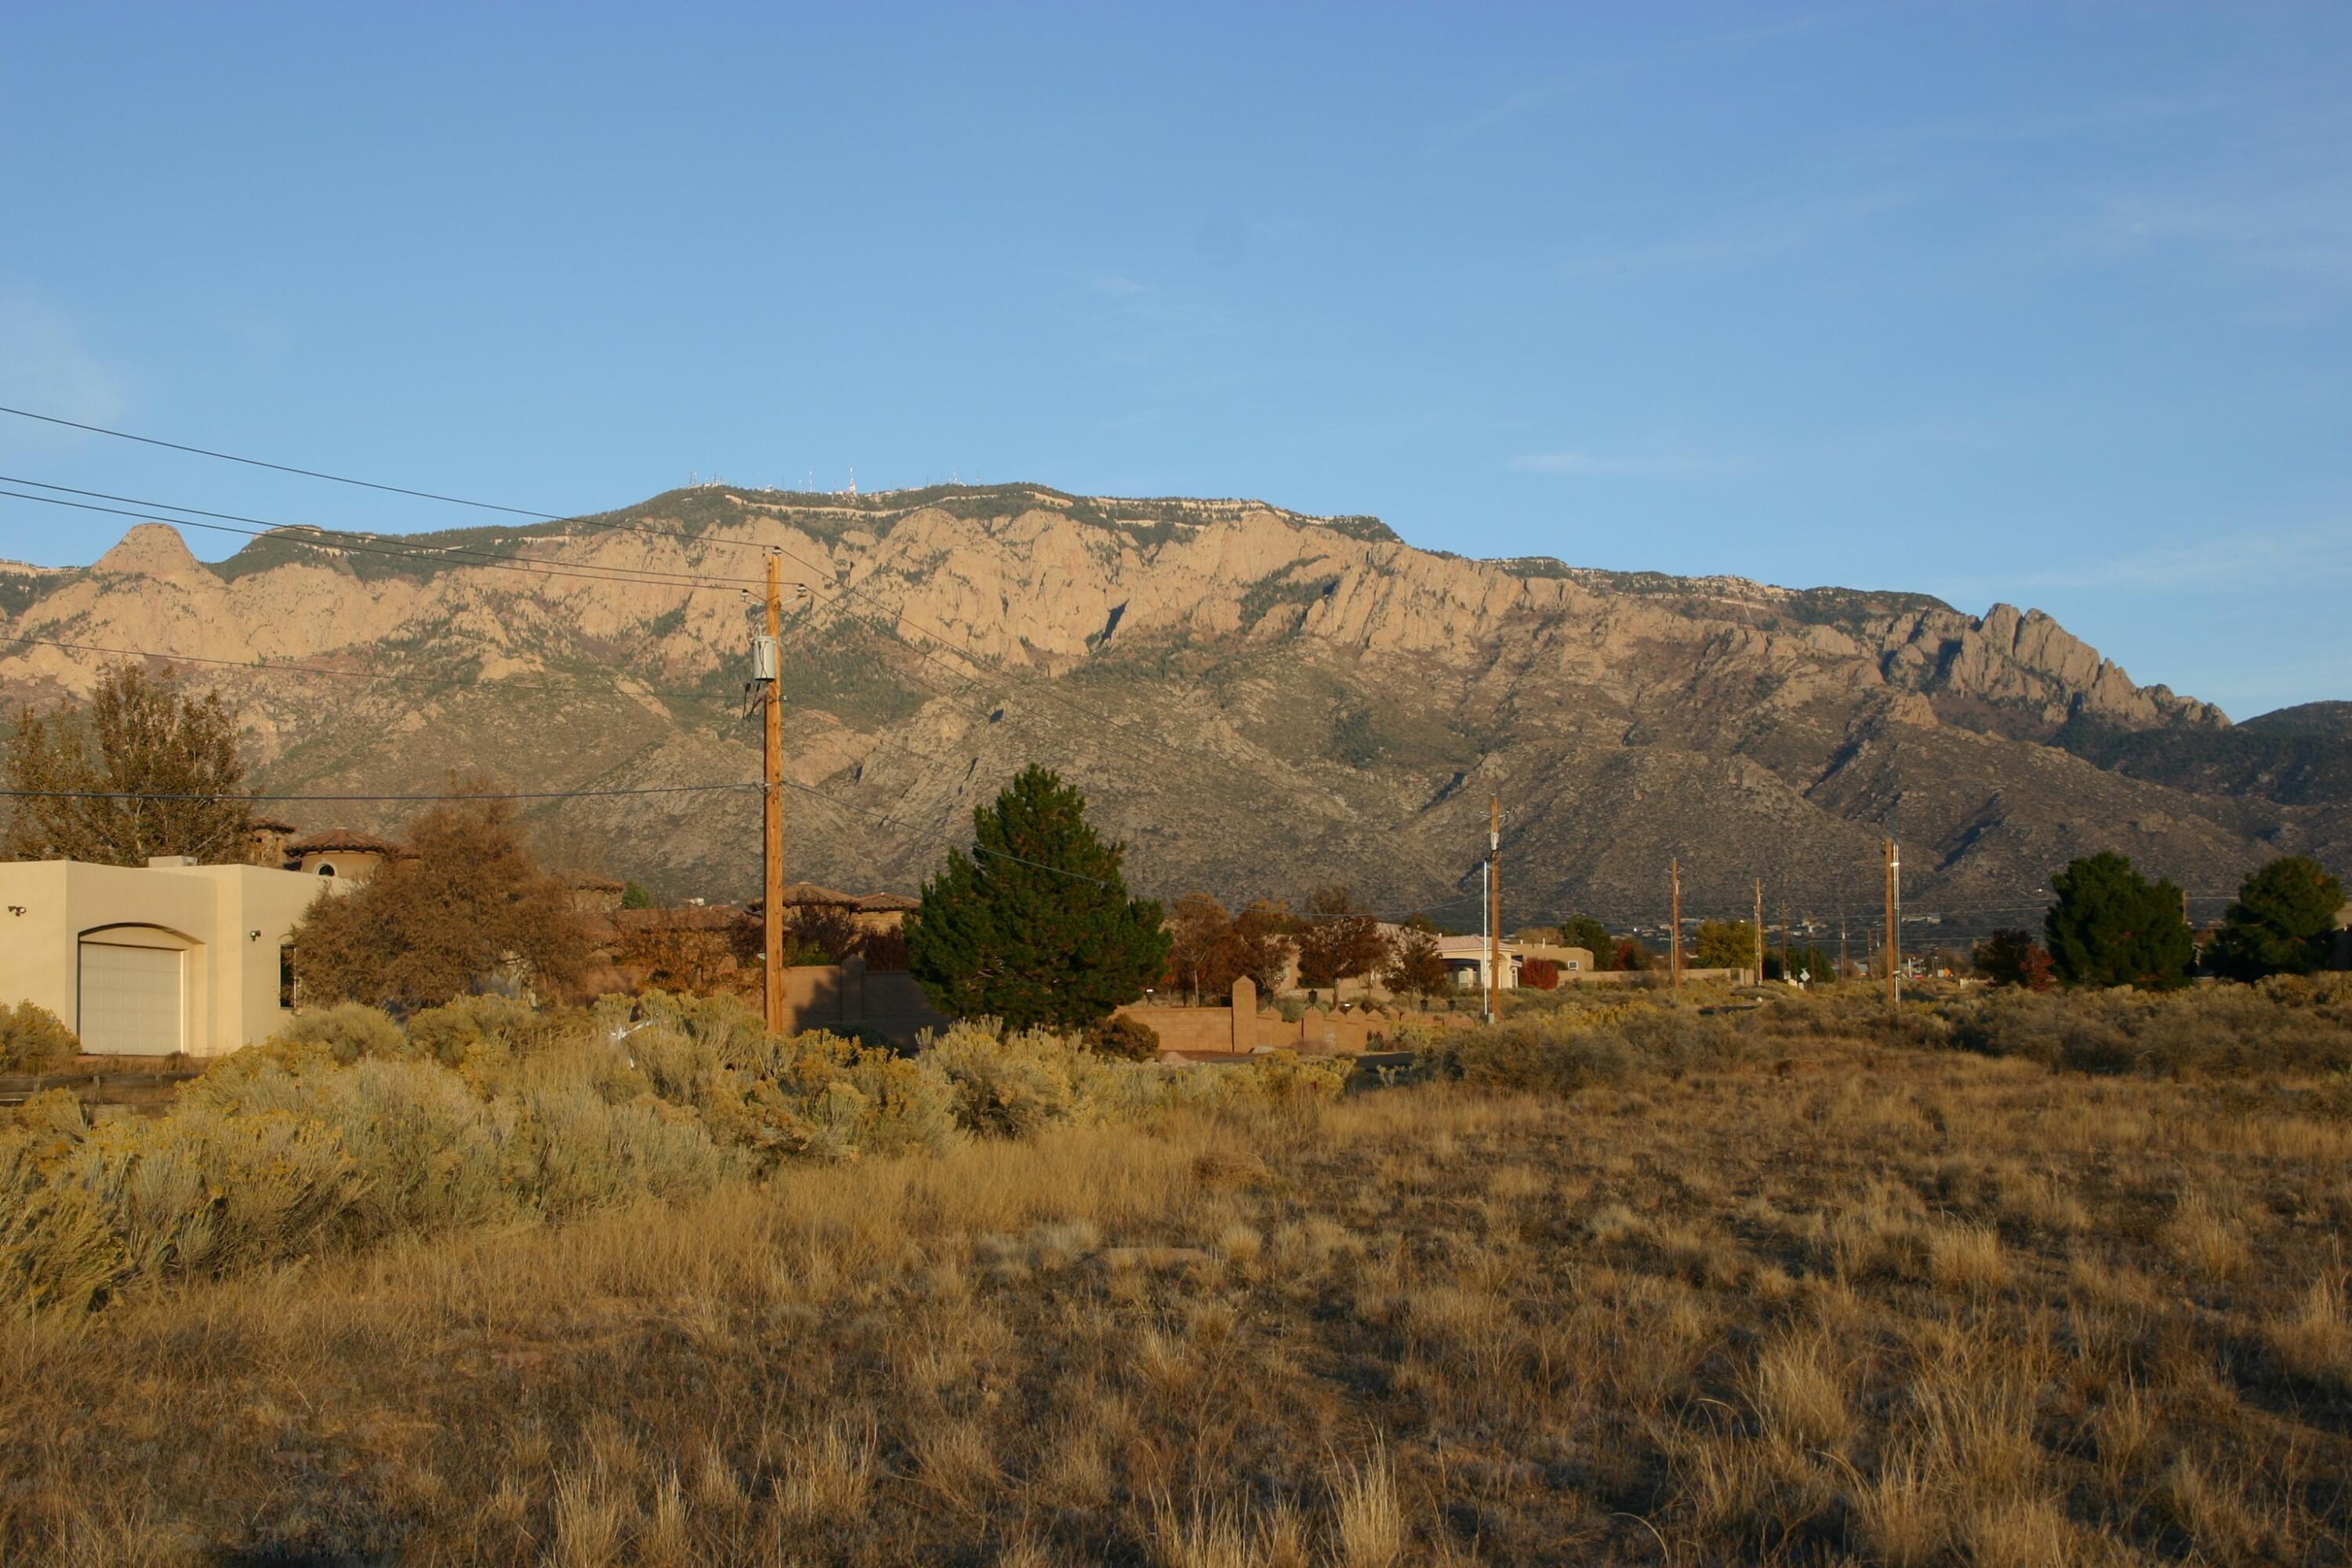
{"points": [[812, 895], [341, 852], [156, 960], [2342, 958], [871, 911], [1466, 957], [593, 895]]}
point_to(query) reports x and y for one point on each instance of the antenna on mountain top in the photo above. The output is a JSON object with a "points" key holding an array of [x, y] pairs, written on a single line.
{"points": [[852, 481]]}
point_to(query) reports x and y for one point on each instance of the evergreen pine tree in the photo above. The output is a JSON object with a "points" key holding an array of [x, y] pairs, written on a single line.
{"points": [[2282, 922], [1589, 934], [1035, 926], [2111, 926]]}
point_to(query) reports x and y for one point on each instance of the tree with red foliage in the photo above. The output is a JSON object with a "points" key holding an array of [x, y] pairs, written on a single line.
{"points": [[2010, 957], [1212, 949], [1632, 955]]}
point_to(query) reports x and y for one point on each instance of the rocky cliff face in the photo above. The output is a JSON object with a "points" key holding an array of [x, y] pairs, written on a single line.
{"points": [[1257, 701]]}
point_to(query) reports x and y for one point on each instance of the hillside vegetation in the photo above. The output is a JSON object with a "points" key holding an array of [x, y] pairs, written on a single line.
{"points": [[1613, 1282]]}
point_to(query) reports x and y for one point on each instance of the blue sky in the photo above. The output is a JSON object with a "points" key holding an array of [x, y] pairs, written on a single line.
{"points": [[2046, 303]]}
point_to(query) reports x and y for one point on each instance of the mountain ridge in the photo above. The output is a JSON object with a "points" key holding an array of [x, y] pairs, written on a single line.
{"points": [[1259, 700]]}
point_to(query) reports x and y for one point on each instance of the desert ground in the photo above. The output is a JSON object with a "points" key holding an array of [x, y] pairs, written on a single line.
{"points": [[1802, 1284]]}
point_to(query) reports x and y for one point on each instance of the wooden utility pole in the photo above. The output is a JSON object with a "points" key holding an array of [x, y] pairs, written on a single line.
{"points": [[772, 913], [1759, 931], [1675, 926], [1893, 923], [1495, 907]]}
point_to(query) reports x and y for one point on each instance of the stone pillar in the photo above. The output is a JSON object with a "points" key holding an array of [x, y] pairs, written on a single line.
{"points": [[1244, 1015]]}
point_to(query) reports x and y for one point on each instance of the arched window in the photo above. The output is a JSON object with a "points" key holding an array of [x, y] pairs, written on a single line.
{"points": [[326, 869]]}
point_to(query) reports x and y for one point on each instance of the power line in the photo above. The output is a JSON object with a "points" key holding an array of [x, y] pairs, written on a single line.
{"points": [[980, 848], [938, 638], [281, 467], [493, 560]]}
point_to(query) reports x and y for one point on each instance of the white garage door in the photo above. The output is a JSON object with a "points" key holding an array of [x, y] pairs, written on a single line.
{"points": [[130, 1000]]}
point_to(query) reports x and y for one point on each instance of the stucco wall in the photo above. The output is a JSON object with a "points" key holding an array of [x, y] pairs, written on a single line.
{"points": [[817, 997], [211, 912]]}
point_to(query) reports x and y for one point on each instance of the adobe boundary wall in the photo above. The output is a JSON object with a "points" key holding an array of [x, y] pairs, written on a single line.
{"points": [[1245, 1027]]}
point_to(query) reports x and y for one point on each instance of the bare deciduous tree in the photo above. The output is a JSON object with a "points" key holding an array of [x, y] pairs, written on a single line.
{"points": [[84, 776], [1338, 938]]}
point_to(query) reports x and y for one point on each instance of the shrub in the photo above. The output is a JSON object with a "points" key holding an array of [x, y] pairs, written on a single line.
{"points": [[1283, 1078], [2283, 1024], [58, 1251], [1128, 1038], [346, 1031], [34, 1039], [1675, 1039], [488, 1031], [1527, 1056], [819, 1096], [202, 1191], [578, 1153], [1004, 1086], [430, 1153], [1572, 1047]]}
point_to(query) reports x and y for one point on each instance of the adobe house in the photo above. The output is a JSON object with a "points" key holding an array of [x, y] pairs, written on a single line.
{"points": [[340, 852], [885, 912], [154, 959]]}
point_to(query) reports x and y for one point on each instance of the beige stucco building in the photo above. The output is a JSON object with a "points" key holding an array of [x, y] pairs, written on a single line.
{"points": [[1467, 956], [155, 960]]}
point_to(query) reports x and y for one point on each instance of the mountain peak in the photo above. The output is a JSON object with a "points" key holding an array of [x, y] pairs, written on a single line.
{"points": [[149, 550]]}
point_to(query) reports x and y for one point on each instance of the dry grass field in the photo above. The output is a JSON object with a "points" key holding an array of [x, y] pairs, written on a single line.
{"points": [[1791, 1293]]}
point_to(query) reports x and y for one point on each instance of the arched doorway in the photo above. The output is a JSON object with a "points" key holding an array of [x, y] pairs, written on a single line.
{"points": [[133, 991]]}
